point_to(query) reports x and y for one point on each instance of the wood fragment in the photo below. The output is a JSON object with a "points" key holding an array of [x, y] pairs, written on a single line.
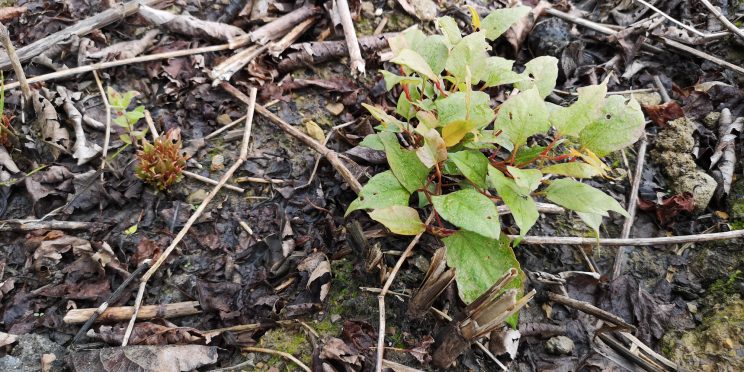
{"points": [[81, 28], [31, 225], [276, 28], [124, 313], [437, 279], [323, 51], [211, 181], [591, 310], [189, 25]]}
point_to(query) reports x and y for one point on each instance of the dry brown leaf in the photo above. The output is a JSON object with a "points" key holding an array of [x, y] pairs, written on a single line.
{"points": [[83, 150], [188, 25], [171, 358], [7, 161], [9, 13], [517, 33], [126, 49], [54, 138], [317, 266], [148, 333]]}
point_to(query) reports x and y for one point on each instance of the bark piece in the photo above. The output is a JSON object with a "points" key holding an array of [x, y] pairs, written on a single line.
{"points": [[323, 51], [188, 25], [127, 49]]}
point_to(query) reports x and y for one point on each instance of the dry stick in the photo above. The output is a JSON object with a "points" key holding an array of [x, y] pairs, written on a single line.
{"points": [[121, 62], [79, 29], [151, 125], [89, 319], [243, 156], [610, 242], [723, 19], [590, 309], [384, 291], [477, 343], [211, 181], [355, 53], [13, 56], [671, 43], [329, 154], [667, 16], [30, 225], [107, 134], [621, 256], [123, 313], [224, 128]]}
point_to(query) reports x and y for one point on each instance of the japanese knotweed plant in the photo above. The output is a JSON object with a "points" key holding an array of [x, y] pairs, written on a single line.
{"points": [[462, 155]]}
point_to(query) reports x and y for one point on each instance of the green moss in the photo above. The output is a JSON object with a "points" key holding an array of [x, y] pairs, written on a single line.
{"points": [[723, 290], [290, 340]]}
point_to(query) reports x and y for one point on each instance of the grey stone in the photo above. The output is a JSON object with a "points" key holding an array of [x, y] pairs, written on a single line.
{"points": [[559, 345], [26, 355]]}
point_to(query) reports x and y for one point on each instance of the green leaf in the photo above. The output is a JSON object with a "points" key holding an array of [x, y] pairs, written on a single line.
{"points": [[399, 219], [499, 72], [391, 79], [131, 230], [125, 138], [415, 62], [473, 165], [580, 197], [448, 26], [479, 262], [471, 106], [541, 72], [119, 101], [435, 51], [526, 154], [618, 126], [487, 136], [569, 121], [592, 220], [573, 169], [522, 116], [500, 20], [135, 115], [405, 164], [469, 53], [517, 198], [427, 119], [373, 142], [381, 191], [469, 210], [383, 117], [433, 150], [404, 107], [121, 121], [529, 179]]}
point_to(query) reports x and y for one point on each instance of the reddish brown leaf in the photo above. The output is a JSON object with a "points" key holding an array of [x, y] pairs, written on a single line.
{"points": [[661, 114], [669, 207], [173, 358]]}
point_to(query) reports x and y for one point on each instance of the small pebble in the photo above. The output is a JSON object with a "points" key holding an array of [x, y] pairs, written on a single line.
{"points": [[335, 108], [559, 345], [218, 163]]}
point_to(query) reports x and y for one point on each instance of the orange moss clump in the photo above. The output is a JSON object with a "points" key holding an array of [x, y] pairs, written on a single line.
{"points": [[161, 163]]}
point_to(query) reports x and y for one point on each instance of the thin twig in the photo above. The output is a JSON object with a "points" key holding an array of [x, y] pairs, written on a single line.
{"points": [[279, 353], [667, 16], [668, 42], [122, 62], [30, 225], [151, 125], [717, 13], [112, 298], [329, 154], [211, 181], [224, 128], [243, 156], [107, 133], [591, 309], [355, 53], [384, 291], [621, 256], [13, 57], [610, 242]]}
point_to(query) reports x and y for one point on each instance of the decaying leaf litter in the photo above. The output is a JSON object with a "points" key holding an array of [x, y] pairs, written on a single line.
{"points": [[270, 265]]}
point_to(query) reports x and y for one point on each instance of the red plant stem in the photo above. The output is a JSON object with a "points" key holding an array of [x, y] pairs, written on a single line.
{"points": [[563, 157], [439, 87]]}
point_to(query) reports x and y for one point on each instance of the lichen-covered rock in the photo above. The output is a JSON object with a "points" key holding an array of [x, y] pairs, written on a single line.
{"points": [[717, 345], [736, 200], [673, 153]]}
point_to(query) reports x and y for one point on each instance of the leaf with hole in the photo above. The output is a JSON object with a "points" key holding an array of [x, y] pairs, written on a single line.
{"points": [[619, 125], [541, 72], [522, 116], [470, 210], [399, 219]]}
